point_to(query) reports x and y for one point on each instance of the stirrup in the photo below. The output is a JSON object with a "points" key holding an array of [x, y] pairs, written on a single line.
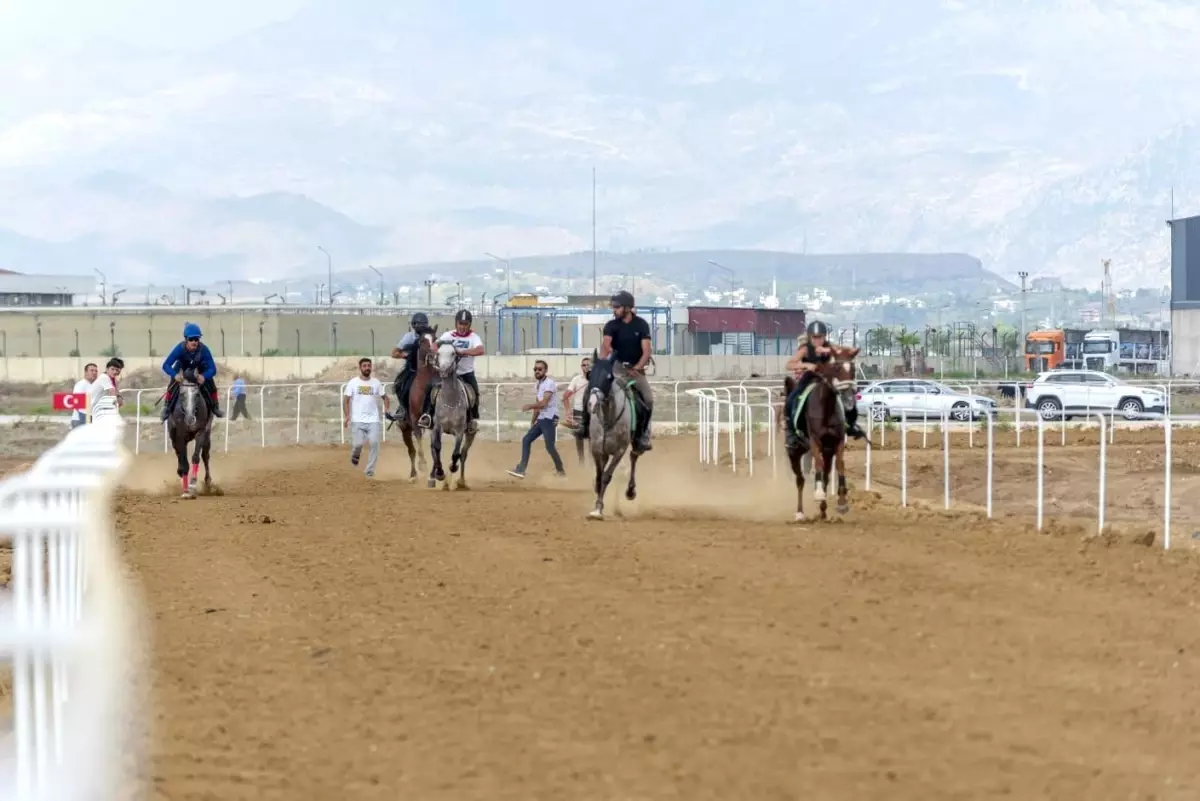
{"points": [[425, 420]]}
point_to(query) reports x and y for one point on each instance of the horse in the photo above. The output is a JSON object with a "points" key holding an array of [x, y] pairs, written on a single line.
{"points": [[611, 422], [823, 405], [191, 419], [451, 415], [407, 415]]}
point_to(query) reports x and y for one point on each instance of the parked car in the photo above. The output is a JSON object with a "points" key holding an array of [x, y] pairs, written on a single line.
{"points": [[1058, 393], [914, 397]]}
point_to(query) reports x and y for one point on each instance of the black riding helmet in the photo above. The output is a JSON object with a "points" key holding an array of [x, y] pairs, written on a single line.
{"points": [[419, 320], [818, 329], [463, 316], [623, 299]]}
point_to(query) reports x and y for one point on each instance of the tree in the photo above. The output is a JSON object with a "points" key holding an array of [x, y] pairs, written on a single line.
{"points": [[879, 340], [908, 342]]}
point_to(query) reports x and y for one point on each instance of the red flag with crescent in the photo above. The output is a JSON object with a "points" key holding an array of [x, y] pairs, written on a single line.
{"points": [[70, 401]]}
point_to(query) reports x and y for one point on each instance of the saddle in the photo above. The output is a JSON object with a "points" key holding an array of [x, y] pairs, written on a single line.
{"points": [[471, 397]]}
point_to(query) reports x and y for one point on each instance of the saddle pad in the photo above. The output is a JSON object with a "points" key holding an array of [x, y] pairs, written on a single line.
{"points": [[799, 409]]}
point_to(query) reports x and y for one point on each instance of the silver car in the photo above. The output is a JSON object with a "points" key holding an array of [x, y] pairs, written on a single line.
{"points": [[917, 398]]}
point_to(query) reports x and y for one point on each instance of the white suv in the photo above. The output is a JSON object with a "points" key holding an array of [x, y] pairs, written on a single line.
{"points": [[1058, 393]]}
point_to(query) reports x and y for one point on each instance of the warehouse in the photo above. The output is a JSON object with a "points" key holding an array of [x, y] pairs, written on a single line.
{"points": [[728, 330], [1185, 296], [18, 289]]}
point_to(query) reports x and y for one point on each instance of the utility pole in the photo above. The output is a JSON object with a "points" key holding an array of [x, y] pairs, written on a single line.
{"points": [[593, 231], [329, 262], [1023, 333], [372, 269], [429, 283]]}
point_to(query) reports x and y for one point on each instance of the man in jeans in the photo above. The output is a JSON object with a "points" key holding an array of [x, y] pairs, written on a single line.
{"points": [[360, 414], [545, 420]]}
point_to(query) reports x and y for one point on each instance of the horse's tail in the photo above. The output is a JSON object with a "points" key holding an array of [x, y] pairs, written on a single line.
{"points": [[789, 383]]}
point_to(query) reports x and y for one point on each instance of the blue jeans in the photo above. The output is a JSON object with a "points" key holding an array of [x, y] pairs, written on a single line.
{"points": [[548, 429]]}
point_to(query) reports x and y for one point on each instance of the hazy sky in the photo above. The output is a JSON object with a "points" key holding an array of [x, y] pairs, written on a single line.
{"points": [[170, 24]]}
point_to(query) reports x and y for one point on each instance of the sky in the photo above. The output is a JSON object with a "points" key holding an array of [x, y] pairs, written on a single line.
{"points": [[166, 24]]}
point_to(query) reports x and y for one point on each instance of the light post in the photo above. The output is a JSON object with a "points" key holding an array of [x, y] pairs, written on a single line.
{"points": [[372, 269], [329, 263], [507, 271]]}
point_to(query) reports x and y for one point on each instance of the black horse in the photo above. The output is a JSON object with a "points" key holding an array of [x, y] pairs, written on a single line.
{"points": [[191, 420]]}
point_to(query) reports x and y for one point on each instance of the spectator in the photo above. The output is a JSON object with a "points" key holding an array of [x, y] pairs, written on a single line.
{"points": [[238, 390], [84, 387], [360, 413], [545, 420], [576, 395], [104, 398]]}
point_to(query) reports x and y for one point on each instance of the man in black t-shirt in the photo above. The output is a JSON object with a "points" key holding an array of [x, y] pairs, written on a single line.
{"points": [[627, 339]]}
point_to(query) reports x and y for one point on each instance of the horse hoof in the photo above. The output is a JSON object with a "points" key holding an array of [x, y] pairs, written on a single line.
{"points": [[799, 518], [462, 485], [631, 494], [595, 514], [412, 479], [843, 508], [819, 495], [446, 487], [432, 484]]}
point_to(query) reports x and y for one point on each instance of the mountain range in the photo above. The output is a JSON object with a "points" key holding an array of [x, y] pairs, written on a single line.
{"points": [[1040, 136]]}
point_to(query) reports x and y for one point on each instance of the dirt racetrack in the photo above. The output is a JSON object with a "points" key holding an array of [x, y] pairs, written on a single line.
{"points": [[322, 636]]}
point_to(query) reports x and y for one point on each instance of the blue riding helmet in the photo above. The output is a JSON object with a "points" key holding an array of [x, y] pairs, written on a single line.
{"points": [[191, 330]]}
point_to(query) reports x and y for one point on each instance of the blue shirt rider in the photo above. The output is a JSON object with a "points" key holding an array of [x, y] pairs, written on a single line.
{"points": [[192, 359]]}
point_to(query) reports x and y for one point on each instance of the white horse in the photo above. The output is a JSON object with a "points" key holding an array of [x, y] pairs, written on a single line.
{"points": [[451, 415]]}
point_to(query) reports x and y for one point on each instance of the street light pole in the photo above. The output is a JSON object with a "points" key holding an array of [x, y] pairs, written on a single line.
{"points": [[429, 283], [103, 287], [507, 271], [732, 278], [329, 261]]}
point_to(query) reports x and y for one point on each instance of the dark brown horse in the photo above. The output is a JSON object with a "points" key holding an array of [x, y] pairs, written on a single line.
{"points": [[825, 425], [411, 413]]}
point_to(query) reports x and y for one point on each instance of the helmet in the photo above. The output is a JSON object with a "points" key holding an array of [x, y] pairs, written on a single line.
{"points": [[419, 319], [191, 331], [818, 329], [462, 316], [624, 299]]}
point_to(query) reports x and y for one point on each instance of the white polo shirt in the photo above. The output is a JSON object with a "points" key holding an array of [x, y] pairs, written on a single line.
{"points": [[578, 389], [82, 387], [364, 399], [547, 386], [466, 364], [100, 402]]}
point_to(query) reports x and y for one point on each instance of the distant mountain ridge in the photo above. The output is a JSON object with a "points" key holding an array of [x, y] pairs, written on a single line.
{"points": [[1037, 136]]}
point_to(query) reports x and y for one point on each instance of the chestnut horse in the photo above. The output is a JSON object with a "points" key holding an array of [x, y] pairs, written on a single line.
{"points": [[822, 407], [410, 413]]}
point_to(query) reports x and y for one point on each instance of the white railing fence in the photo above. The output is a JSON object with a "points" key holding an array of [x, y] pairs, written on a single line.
{"points": [[728, 416], [67, 625]]}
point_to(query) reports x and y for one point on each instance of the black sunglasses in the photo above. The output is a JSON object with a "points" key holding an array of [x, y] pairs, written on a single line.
{"points": [[193, 339]]}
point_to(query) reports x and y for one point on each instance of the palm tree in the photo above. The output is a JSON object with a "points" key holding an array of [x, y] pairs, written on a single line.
{"points": [[908, 343]]}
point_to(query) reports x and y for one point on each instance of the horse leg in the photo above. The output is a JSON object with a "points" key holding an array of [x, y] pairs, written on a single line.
{"points": [[194, 474], [631, 490], [796, 456], [843, 505], [826, 467], [820, 469], [435, 453], [406, 433], [205, 455], [603, 476], [456, 455], [181, 457], [466, 448]]}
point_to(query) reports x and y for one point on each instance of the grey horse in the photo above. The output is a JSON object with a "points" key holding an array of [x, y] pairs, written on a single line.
{"points": [[191, 420], [610, 429], [451, 415]]}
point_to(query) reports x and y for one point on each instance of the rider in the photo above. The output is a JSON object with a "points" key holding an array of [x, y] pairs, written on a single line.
{"points": [[468, 345], [812, 349], [192, 356], [406, 349], [627, 342]]}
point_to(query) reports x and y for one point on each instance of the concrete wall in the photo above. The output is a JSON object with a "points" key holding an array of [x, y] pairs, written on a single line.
{"points": [[1185, 342], [232, 332], [61, 369]]}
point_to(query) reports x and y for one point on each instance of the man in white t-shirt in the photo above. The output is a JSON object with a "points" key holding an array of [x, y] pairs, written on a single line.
{"points": [[84, 387], [468, 344], [576, 395], [360, 413], [545, 420], [104, 398]]}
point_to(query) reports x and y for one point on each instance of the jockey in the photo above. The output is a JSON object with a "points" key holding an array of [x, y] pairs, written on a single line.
{"points": [[627, 342], [468, 345], [406, 349], [192, 356], [812, 349]]}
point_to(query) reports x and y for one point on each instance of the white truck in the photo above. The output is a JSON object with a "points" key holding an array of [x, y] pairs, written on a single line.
{"points": [[1127, 350]]}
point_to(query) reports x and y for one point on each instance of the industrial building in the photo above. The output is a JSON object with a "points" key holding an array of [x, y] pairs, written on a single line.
{"points": [[18, 289], [729, 330], [1185, 296]]}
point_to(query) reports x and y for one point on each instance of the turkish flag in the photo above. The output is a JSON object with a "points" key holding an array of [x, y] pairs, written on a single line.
{"points": [[69, 401]]}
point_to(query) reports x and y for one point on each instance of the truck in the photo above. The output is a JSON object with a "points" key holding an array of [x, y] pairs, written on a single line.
{"points": [[1054, 348], [1144, 351]]}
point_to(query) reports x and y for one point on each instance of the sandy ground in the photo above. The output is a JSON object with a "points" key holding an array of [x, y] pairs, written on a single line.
{"points": [[319, 635]]}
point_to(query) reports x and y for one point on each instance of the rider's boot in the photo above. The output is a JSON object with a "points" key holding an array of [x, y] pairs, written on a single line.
{"points": [[216, 406], [426, 419], [643, 439], [585, 418], [166, 407], [852, 429]]}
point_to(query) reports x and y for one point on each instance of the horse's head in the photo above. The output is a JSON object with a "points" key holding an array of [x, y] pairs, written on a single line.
{"points": [[427, 347], [838, 373], [190, 403], [447, 359], [600, 380]]}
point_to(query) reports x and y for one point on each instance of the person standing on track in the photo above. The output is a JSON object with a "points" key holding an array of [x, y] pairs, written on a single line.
{"points": [[573, 399], [545, 420], [84, 387], [360, 413]]}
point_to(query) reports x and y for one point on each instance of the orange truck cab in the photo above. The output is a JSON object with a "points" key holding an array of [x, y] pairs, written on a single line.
{"points": [[1044, 350]]}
